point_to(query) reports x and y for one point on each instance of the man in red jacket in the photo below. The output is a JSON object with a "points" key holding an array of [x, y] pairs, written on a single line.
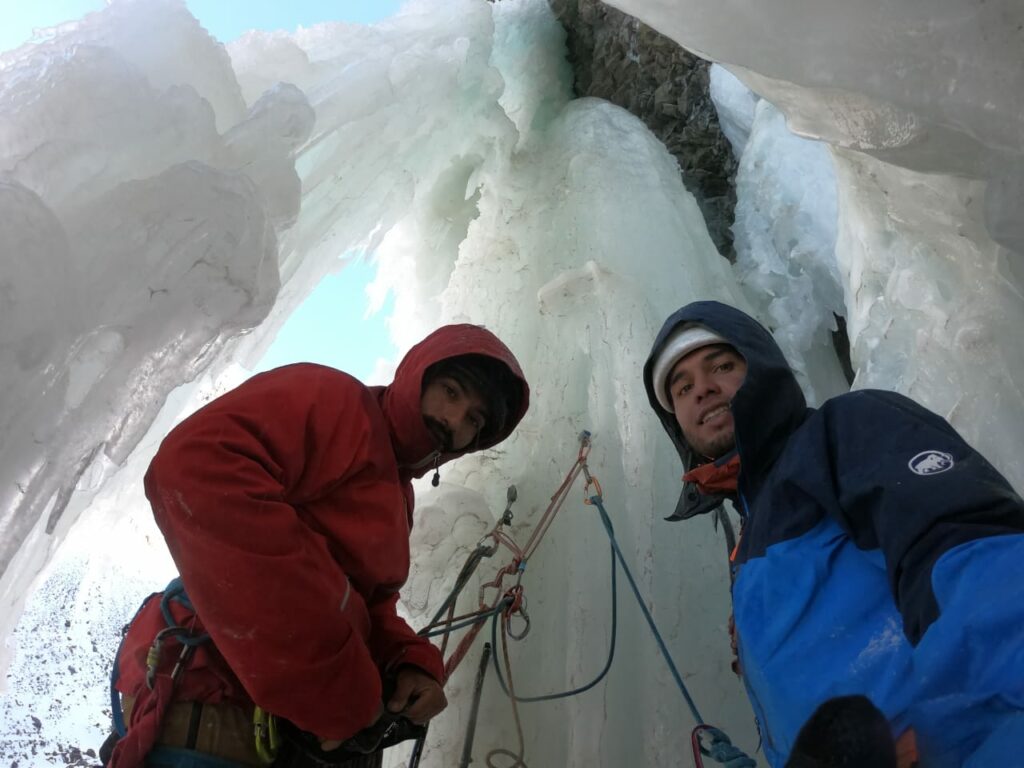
{"points": [[287, 504]]}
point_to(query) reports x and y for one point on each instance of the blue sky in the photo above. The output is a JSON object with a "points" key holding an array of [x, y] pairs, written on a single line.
{"points": [[330, 327], [224, 19]]}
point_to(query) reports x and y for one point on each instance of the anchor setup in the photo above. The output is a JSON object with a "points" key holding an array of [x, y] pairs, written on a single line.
{"points": [[503, 605]]}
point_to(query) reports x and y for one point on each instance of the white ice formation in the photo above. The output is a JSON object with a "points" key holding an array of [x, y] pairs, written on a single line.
{"points": [[166, 201]]}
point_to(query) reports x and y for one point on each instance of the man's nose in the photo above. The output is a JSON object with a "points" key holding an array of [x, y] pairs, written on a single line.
{"points": [[457, 414], [706, 386]]}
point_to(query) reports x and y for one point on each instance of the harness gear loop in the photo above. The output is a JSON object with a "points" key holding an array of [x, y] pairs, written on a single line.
{"points": [[268, 740]]}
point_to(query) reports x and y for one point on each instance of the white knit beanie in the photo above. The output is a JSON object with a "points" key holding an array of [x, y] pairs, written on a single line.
{"points": [[682, 342]]}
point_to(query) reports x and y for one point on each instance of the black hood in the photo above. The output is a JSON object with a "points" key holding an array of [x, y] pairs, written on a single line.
{"points": [[766, 409]]}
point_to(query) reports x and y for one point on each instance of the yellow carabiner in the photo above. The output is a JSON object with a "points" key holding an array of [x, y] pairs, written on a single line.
{"points": [[267, 738]]}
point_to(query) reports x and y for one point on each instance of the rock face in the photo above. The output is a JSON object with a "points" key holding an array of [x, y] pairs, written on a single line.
{"points": [[616, 57]]}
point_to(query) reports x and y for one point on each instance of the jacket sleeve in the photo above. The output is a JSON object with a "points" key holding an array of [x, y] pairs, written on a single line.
{"points": [[909, 485], [393, 643], [277, 605]]}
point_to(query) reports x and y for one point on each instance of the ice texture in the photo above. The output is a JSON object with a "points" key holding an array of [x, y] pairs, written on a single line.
{"points": [[785, 235], [735, 104], [166, 201], [922, 106]]}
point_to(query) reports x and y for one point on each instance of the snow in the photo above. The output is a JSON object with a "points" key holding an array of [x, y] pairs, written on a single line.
{"points": [[166, 201]]}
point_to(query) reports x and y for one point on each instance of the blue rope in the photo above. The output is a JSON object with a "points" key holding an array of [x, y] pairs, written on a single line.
{"points": [[597, 502], [175, 590], [575, 691], [723, 751]]}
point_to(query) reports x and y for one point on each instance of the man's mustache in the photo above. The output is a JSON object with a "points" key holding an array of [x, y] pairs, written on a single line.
{"points": [[442, 433]]}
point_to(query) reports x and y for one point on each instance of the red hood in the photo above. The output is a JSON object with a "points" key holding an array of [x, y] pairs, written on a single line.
{"points": [[400, 400]]}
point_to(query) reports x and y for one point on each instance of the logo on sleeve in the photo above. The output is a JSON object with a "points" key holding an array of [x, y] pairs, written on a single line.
{"points": [[930, 463]]}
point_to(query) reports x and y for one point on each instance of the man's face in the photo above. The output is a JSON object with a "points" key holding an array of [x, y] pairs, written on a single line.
{"points": [[702, 386], [453, 414]]}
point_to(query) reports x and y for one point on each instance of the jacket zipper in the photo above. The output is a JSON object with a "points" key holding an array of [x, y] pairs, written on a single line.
{"points": [[433, 456]]}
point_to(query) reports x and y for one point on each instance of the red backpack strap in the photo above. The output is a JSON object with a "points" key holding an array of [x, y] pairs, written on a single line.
{"points": [[144, 726], [156, 648]]}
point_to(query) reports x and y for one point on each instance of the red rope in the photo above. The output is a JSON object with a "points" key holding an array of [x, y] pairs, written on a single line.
{"points": [[519, 556]]}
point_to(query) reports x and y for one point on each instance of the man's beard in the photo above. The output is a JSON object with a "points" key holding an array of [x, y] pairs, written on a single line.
{"points": [[441, 433], [716, 447]]}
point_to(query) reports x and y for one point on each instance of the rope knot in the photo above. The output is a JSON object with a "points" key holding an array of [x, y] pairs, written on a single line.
{"points": [[515, 596]]}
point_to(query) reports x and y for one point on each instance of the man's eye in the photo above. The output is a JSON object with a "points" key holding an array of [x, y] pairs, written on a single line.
{"points": [[449, 390], [684, 388], [725, 367]]}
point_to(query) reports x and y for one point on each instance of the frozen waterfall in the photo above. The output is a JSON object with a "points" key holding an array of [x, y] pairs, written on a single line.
{"points": [[166, 202]]}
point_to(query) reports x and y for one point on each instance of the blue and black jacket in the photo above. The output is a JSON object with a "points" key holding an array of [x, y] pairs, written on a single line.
{"points": [[880, 554]]}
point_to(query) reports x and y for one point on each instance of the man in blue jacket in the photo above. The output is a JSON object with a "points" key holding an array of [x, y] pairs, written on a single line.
{"points": [[880, 555]]}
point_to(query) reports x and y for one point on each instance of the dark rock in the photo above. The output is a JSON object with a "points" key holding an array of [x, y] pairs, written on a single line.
{"points": [[616, 57]]}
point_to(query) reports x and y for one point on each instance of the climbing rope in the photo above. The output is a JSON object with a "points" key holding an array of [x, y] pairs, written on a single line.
{"points": [[505, 687], [517, 566], [706, 740], [506, 602], [719, 748]]}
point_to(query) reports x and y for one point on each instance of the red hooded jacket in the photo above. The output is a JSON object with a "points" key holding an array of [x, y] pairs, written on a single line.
{"points": [[287, 504]]}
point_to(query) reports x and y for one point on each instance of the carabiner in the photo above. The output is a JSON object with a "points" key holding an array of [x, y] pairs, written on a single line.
{"points": [[268, 741]]}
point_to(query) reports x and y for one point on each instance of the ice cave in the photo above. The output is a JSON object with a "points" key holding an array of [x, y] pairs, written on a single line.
{"points": [[168, 199]]}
